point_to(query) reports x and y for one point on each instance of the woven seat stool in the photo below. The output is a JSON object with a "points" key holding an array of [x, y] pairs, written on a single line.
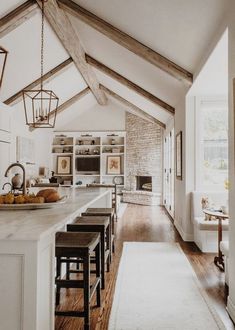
{"points": [[79, 245], [104, 211], [101, 225]]}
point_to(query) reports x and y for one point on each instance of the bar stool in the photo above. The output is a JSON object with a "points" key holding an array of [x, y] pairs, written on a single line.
{"points": [[99, 224], [81, 246], [108, 211]]}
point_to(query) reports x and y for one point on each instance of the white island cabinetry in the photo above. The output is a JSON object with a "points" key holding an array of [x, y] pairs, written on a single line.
{"points": [[27, 250]]}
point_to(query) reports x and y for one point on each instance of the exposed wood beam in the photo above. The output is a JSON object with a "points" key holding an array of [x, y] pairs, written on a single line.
{"points": [[46, 78], [113, 74], [127, 41], [133, 108], [67, 104], [17, 16], [67, 35]]}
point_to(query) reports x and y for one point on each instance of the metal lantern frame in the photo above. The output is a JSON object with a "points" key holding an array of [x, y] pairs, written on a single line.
{"points": [[4, 53], [32, 115], [40, 105]]}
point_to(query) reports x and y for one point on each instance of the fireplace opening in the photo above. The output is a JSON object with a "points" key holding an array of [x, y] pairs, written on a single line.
{"points": [[144, 183]]}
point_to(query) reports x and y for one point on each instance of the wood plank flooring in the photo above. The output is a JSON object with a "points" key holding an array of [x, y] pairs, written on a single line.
{"points": [[147, 224]]}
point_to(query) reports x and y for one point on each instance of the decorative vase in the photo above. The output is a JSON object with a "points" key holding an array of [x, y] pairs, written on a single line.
{"points": [[17, 181]]}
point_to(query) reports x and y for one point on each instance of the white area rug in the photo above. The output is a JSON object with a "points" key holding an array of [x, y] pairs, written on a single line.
{"points": [[157, 289]]}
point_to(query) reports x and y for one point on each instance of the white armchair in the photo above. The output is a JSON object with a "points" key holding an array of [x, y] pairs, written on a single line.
{"points": [[205, 232]]}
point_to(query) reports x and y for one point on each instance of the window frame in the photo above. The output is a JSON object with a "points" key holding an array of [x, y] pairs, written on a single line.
{"points": [[201, 102]]}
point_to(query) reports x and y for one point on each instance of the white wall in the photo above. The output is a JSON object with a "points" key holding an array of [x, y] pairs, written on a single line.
{"points": [[40, 137], [97, 118], [231, 57], [89, 116], [212, 82], [180, 220]]}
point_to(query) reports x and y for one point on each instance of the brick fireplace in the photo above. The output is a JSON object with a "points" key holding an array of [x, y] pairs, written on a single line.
{"points": [[143, 161]]}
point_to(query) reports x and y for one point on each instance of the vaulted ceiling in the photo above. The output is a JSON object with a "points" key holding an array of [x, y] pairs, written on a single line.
{"points": [[140, 54]]}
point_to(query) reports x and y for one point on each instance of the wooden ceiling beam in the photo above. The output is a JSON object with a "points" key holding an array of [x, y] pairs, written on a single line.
{"points": [[133, 108], [127, 41], [46, 78], [67, 104], [68, 37], [17, 16], [126, 82]]}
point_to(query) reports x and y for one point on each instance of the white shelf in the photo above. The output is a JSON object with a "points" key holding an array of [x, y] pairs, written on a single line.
{"points": [[112, 153], [87, 145], [56, 174], [87, 175], [113, 175], [86, 156], [62, 145], [62, 153], [112, 145]]}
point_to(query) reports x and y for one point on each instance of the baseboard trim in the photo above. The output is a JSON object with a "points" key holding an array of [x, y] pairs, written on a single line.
{"points": [[185, 236], [231, 309], [168, 214]]}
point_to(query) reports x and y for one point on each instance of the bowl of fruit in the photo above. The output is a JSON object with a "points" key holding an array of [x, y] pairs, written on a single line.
{"points": [[45, 198]]}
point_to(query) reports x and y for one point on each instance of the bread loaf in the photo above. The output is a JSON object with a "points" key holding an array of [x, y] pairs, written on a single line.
{"points": [[50, 195], [37, 200]]}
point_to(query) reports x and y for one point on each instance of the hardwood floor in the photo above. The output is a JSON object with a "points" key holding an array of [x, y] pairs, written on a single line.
{"points": [[147, 224]]}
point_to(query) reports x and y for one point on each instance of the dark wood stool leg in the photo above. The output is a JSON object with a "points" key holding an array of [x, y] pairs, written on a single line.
{"points": [[113, 232], [102, 258], [226, 291], [110, 237], [108, 242], [86, 266], [67, 270], [97, 258], [58, 274]]}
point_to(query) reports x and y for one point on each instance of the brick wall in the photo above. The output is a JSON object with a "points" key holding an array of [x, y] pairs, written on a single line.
{"points": [[143, 151]]}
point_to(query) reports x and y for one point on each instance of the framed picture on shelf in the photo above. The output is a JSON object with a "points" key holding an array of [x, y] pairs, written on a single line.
{"points": [[178, 150], [63, 165], [113, 164]]}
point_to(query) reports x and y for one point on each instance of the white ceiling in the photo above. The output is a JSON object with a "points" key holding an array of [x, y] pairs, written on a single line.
{"points": [[178, 29], [128, 64], [9, 5], [23, 63]]}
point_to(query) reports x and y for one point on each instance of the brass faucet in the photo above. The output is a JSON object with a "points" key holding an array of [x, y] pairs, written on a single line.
{"points": [[24, 177]]}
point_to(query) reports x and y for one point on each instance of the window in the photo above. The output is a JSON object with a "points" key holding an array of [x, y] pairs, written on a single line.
{"points": [[213, 144]]}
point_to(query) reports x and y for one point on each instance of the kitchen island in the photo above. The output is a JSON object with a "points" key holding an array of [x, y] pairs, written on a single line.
{"points": [[27, 263]]}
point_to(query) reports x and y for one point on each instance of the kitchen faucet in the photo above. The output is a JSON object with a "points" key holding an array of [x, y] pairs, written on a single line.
{"points": [[6, 184], [24, 177]]}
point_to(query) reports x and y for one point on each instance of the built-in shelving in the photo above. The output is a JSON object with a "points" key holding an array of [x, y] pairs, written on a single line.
{"points": [[97, 147]]}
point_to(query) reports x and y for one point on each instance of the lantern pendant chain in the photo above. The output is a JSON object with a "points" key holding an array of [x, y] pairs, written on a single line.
{"points": [[42, 43]]}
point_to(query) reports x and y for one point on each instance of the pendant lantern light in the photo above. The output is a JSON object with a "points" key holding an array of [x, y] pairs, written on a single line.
{"points": [[40, 105], [3, 58]]}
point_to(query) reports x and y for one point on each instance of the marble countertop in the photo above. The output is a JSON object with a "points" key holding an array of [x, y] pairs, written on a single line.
{"points": [[34, 224]]}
